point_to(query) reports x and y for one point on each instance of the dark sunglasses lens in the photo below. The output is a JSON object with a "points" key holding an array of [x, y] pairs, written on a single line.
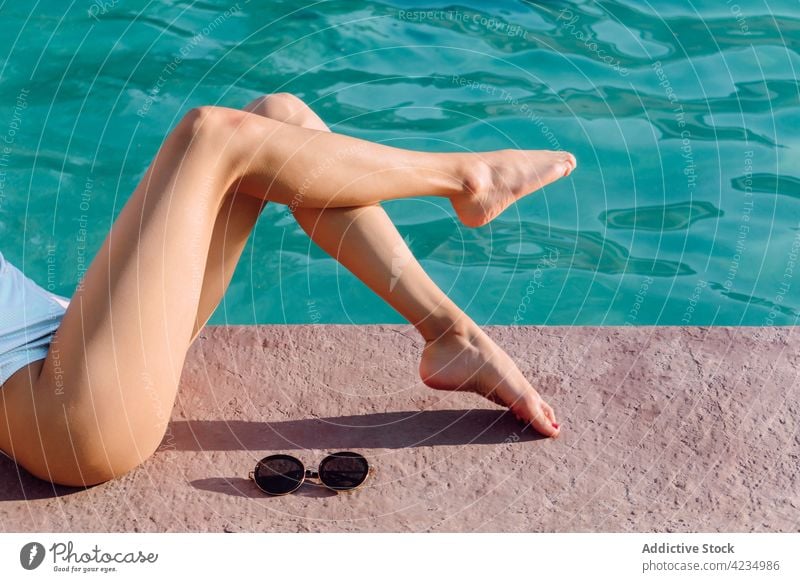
{"points": [[279, 474], [343, 471]]}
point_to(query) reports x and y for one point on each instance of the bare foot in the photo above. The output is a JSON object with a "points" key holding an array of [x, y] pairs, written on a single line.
{"points": [[472, 361], [494, 180]]}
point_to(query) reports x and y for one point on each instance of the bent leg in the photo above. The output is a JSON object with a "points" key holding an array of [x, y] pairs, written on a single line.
{"points": [[457, 355], [122, 342]]}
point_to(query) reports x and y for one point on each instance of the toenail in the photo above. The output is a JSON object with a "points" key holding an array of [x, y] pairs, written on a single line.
{"points": [[555, 425]]}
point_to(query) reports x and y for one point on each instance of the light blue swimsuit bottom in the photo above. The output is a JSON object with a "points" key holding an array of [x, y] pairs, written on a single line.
{"points": [[29, 316]]}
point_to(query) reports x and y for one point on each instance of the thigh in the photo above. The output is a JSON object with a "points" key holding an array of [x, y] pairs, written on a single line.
{"points": [[233, 226], [241, 211], [103, 397]]}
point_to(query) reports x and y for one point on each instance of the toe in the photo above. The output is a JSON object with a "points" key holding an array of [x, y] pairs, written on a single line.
{"points": [[551, 416], [536, 412], [549, 413], [544, 425], [572, 160], [570, 163]]}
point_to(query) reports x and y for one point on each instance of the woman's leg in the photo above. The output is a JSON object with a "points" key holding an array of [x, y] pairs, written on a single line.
{"points": [[123, 340], [311, 168], [228, 239], [121, 344], [366, 242], [457, 354], [420, 301]]}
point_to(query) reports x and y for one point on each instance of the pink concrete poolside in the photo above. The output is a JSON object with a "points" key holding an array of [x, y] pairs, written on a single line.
{"points": [[664, 429]]}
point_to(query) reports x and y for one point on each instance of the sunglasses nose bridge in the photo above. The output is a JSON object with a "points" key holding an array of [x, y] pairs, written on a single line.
{"points": [[311, 474]]}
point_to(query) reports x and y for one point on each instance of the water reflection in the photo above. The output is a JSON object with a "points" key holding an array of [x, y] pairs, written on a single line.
{"points": [[660, 217]]}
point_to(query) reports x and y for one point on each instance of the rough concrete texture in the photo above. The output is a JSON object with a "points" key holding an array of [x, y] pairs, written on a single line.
{"points": [[664, 429]]}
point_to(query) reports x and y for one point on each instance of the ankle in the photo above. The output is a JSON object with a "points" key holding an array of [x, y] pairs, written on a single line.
{"points": [[438, 327], [476, 176]]}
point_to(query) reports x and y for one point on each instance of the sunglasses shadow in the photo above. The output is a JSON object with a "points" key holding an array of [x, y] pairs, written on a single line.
{"points": [[241, 487], [387, 430]]}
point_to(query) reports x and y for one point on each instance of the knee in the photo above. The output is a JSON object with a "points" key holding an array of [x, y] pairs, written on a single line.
{"points": [[279, 106], [208, 120], [217, 136], [87, 469], [104, 456]]}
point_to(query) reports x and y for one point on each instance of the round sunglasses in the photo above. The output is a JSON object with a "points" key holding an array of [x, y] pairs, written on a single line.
{"points": [[283, 474]]}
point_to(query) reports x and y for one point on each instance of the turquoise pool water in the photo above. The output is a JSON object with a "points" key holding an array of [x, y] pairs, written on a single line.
{"points": [[684, 117]]}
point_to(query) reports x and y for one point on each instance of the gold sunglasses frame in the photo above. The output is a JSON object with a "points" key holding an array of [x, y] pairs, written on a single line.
{"points": [[310, 474]]}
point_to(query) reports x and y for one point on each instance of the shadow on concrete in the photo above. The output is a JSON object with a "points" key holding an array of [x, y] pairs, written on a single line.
{"points": [[388, 430], [16, 484], [241, 487]]}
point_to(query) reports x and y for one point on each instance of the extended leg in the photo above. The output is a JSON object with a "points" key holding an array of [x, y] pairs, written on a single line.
{"points": [[458, 355], [308, 168]]}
